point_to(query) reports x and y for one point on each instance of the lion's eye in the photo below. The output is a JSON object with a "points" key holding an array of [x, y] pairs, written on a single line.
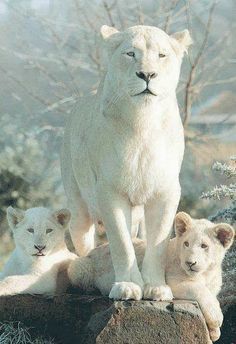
{"points": [[162, 55], [204, 246], [30, 230], [186, 243], [130, 53], [49, 230]]}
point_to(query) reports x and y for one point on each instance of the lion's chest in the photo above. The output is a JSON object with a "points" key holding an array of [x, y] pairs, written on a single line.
{"points": [[140, 175], [139, 169]]}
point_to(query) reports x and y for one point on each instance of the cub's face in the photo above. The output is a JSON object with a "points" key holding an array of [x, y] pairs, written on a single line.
{"points": [[38, 231], [144, 62], [201, 243]]}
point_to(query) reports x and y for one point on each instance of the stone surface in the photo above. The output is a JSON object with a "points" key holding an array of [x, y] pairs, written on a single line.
{"points": [[95, 319], [228, 330], [149, 322]]}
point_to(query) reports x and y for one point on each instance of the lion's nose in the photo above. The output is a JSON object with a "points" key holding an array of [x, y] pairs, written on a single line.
{"points": [[39, 247], [190, 264], [146, 76]]}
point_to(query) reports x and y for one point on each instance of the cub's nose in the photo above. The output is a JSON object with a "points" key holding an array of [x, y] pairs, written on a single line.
{"points": [[39, 247], [146, 76], [190, 264]]}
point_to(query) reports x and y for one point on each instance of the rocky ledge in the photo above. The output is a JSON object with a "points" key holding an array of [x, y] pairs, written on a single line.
{"points": [[95, 319]]}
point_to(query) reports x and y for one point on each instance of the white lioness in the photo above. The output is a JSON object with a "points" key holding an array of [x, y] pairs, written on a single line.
{"points": [[193, 268], [123, 148], [40, 253]]}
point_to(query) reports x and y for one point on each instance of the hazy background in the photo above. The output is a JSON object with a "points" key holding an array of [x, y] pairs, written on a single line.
{"points": [[50, 54]]}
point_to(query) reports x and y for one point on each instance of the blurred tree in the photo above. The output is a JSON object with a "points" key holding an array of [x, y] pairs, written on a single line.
{"points": [[29, 168], [51, 54]]}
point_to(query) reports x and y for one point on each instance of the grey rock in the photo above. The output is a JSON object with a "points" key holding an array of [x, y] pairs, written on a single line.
{"points": [[148, 322], [95, 319]]}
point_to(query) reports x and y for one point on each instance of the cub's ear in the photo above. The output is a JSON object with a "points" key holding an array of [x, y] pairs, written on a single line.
{"points": [[181, 42], [225, 234], [14, 216], [182, 223], [62, 216]]}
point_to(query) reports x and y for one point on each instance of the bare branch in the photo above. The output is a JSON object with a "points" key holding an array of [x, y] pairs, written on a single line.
{"points": [[108, 12], [121, 19], [189, 91], [22, 85], [45, 71], [140, 13], [219, 82], [57, 41], [169, 16], [57, 104]]}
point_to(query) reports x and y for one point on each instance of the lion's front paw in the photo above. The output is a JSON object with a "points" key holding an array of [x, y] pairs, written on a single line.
{"points": [[160, 293], [125, 291], [214, 333]]}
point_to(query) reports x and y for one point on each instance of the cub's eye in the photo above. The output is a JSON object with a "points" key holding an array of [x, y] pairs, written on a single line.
{"points": [[204, 246], [30, 230], [186, 243], [130, 53], [49, 230], [162, 55]]}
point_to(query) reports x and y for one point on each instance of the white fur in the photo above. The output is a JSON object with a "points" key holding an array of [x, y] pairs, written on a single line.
{"points": [[202, 285], [26, 272], [123, 149]]}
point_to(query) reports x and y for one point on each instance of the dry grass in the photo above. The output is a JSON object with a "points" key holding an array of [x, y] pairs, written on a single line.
{"points": [[17, 333]]}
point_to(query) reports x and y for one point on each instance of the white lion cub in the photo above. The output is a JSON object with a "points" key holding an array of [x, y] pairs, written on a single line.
{"points": [[40, 251], [194, 265], [193, 269]]}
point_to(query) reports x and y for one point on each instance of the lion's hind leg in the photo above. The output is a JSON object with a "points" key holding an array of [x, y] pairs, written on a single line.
{"points": [[81, 273]]}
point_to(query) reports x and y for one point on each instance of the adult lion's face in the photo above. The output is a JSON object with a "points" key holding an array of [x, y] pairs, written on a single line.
{"points": [[143, 61]]}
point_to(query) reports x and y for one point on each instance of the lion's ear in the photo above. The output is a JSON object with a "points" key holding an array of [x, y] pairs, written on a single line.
{"points": [[107, 31], [181, 41], [14, 216], [112, 39], [182, 223], [225, 234]]}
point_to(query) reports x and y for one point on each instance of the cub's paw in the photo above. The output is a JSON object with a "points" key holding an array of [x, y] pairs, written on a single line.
{"points": [[214, 333], [214, 316], [125, 291], [2, 292], [161, 293]]}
